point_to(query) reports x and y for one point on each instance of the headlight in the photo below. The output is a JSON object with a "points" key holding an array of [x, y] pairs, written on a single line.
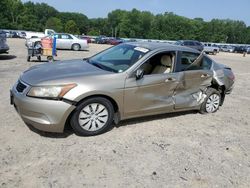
{"points": [[50, 91]]}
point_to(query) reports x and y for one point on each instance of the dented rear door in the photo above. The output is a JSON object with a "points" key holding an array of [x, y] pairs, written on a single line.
{"points": [[196, 77], [190, 91]]}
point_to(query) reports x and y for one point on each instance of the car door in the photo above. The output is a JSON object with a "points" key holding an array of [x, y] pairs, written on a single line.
{"points": [[58, 41], [66, 41], [152, 94], [197, 76]]}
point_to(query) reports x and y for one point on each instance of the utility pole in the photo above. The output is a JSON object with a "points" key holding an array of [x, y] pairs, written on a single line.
{"points": [[115, 31]]}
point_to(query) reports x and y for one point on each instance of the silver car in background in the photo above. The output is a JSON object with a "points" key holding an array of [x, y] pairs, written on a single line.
{"points": [[70, 42], [126, 81]]}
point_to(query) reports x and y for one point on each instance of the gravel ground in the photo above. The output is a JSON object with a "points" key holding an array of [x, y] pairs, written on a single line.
{"points": [[171, 150]]}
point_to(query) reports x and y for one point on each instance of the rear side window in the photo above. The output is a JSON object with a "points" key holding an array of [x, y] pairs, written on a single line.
{"points": [[193, 61], [187, 59], [206, 63], [66, 36]]}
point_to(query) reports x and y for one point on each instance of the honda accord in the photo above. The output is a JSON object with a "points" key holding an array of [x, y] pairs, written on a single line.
{"points": [[125, 81]]}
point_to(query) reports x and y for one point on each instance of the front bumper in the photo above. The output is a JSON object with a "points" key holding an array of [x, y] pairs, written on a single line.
{"points": [[44, 115]]}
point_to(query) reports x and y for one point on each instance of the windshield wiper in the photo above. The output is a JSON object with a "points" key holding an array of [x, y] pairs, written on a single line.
{"points": [[99, 65], [103, 67], [86, 59]]}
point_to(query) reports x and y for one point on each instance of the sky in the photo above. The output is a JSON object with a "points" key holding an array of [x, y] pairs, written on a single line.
{"points": [[206, 9]]}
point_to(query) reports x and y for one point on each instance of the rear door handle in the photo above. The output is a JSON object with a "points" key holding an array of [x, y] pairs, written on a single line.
{"points": [[170, 79], [204, 75]]}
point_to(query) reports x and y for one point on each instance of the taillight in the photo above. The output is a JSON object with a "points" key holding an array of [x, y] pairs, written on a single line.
{"points": [[231, 75]]}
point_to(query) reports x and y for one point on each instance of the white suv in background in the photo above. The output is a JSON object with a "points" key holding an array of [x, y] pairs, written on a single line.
{"points": [[211, 48]]}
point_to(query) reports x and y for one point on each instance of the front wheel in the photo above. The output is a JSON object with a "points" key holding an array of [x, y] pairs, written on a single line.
{"points": [[212, 102], [39, 58], [92, 117]]}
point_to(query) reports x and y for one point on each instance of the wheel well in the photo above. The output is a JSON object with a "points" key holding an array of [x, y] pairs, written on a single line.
{"points": [[221, 89], [114, 104], [75, 44], [103, 96]]}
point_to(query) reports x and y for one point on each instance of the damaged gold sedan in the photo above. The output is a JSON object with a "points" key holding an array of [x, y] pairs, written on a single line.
{"points": [[126, 81]]}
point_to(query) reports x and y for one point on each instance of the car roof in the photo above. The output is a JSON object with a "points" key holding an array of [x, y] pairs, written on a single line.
{"points": [[165, 46]]}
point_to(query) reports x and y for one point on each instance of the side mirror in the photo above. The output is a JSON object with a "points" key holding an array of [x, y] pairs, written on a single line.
{"points": [[139, 74]]}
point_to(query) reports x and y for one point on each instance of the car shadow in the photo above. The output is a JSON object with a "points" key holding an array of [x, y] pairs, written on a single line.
{"points": [[7, 57], [70, 50], [65, 134], [154, 117], [44, 61], [69, 131], [36, 61]]}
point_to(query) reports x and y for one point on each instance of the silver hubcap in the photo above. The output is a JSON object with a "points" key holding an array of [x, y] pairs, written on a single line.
{"points": [[93, 117], [213, 103], [76, 47]]}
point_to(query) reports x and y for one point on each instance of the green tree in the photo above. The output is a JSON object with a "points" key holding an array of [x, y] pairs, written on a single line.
{"points": [[100, 26], [55, 24], [81, 20], [39, 12], [71, 27], [4, 18], [15, 8]]}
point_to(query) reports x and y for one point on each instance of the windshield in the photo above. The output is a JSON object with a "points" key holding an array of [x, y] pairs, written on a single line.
{"points": [[118, 58]]}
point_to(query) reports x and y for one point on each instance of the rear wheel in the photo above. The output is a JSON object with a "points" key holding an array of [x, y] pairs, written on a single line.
{"points": [[92, 117], [76, 47], [212, 102], [28, 58]]}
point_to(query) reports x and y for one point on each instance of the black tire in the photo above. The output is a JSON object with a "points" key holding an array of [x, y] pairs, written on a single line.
{"points": [[39, 58], [76, 47], [28, 58], [215, 52], [210, 93], [81, 129], [50, 59]]}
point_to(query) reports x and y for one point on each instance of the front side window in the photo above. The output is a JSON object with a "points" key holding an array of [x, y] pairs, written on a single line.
{"points": [[118, 58], [161, 63], [57, 36]]}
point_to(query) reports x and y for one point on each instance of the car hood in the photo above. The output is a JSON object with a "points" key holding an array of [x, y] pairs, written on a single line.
{"points": [[60, 70]]}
